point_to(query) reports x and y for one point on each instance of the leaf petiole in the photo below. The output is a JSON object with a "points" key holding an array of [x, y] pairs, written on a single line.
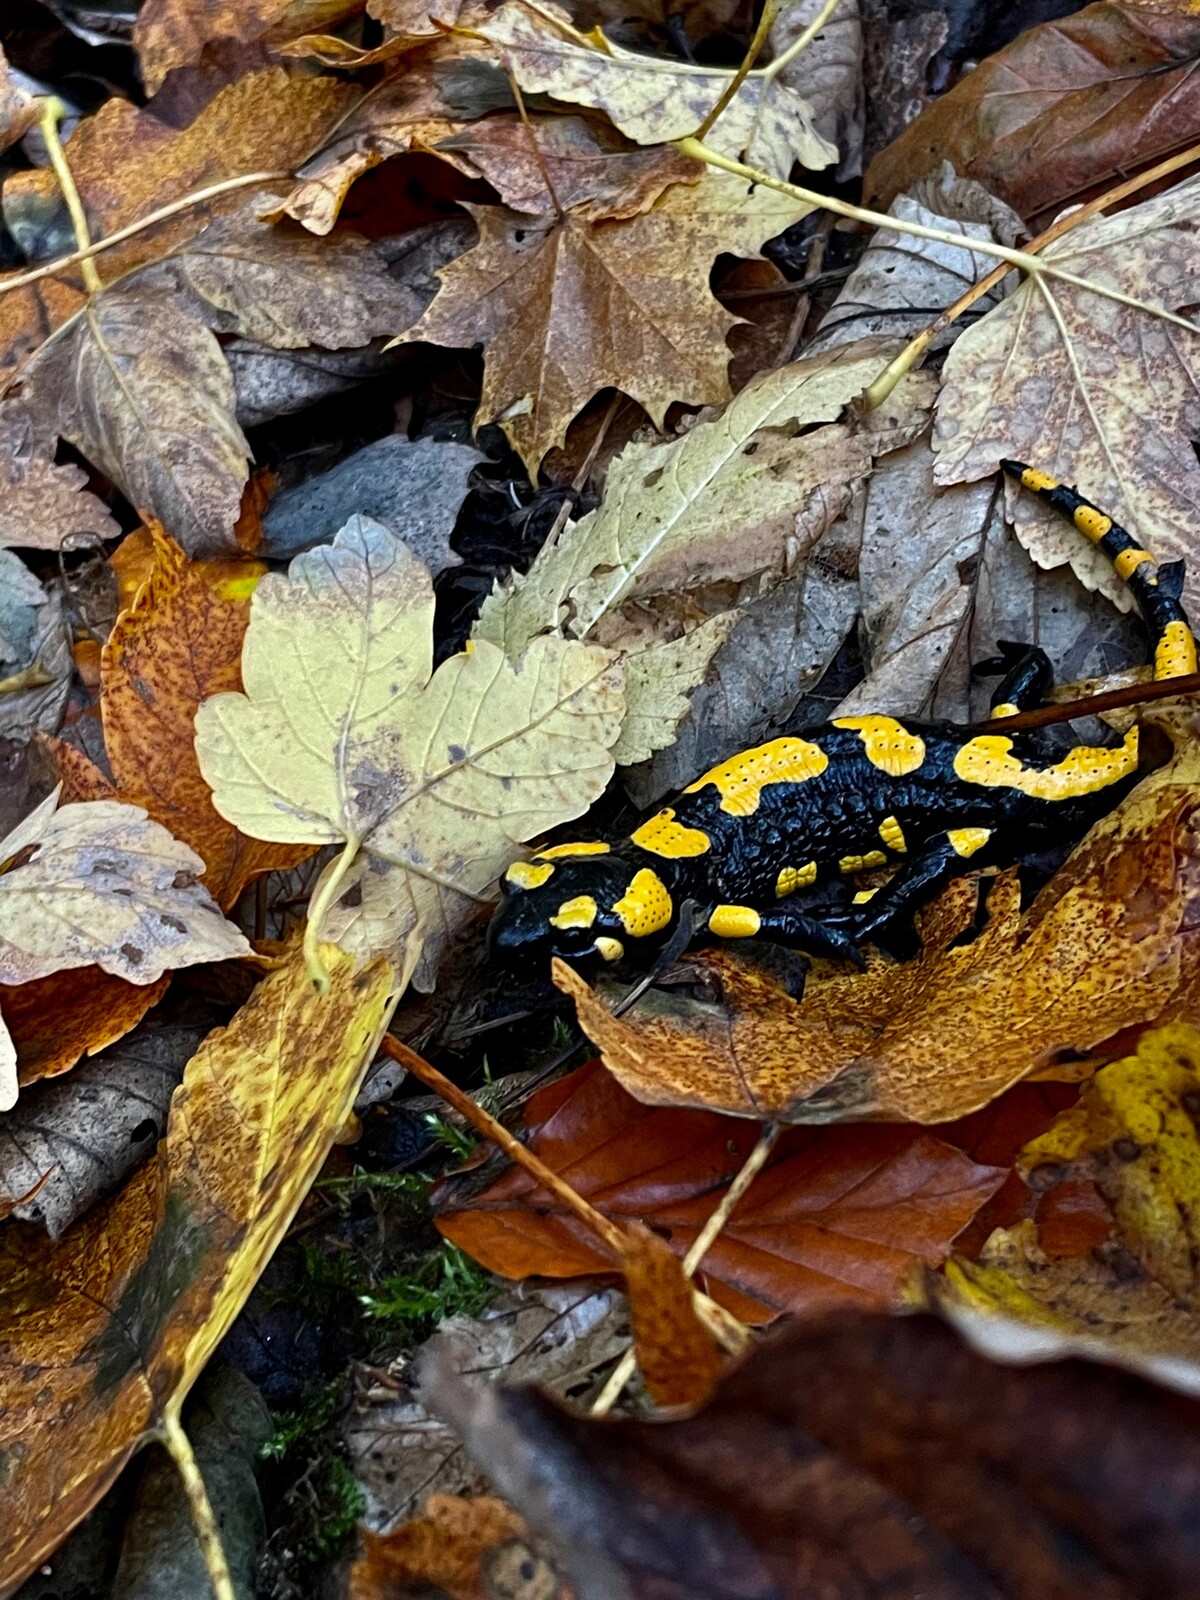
{"points": [[327, 891], [179, 1447], [52, 110]]}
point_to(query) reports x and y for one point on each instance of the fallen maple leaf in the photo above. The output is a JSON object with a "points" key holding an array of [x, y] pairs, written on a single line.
{"points": [[1133, 1134], [1061, 376], [1066, 106], [858, 1458], [174, 33], [98, 881], [1104, 946], [839, 1217], [654, 99], [43, 504], [179, 642], [343, 736], [103, 1334], [653, 328]]}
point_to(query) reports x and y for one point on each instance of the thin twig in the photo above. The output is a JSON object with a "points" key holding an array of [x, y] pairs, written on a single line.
{"points": [[179, 1446], [798, 46], [537, 149], [1130, 694], [52, 110]]}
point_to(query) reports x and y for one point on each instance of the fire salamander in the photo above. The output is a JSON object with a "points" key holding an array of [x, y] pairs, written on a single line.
{"points": [[931, 799]]}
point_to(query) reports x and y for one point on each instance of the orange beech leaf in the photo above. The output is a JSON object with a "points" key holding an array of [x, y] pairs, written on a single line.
{"points": [[839, 1216], [1065, 107], [179, 642], [56, 1020]]}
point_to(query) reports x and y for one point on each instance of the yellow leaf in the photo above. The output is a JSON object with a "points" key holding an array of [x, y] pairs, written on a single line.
{"points": [[103, 1333], [343, 736], [654, 99]]}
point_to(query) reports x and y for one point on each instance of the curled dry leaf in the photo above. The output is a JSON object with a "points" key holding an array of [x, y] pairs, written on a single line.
{"points": [[1104, 946], [1077, 103], [126, 163], [141, 387], [179, 642], [654, 329], [99, 882], [174, 1254], [840, 1216], [343, 736], [1133, 1135], [859, 1458], [654, 99], [1059, 376], [567, 164]]}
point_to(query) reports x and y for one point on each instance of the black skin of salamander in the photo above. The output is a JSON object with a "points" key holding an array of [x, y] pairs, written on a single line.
{"points": [[824, 818]]}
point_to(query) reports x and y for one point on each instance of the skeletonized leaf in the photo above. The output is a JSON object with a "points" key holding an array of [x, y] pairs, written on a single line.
{"points": [[97, 881], [343, 735], [1059, 377], [639, 285], [141, 387], [655, 99]]}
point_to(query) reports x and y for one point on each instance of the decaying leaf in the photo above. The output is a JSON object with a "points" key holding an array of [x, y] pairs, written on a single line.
{"points": [[654, 329], [106, 1331], [1080, 101], [654, 99], [1132, 1134], [42, 505], [1104, 946], [658, 681], [858, 1458], [18, 108], [174, 33], [828, 74], [35, 651], [140, 386], [58, 1019], [453, 1544], [1060, 376], [178, 643], [97, 881], [840, 1216], [343, 736]]}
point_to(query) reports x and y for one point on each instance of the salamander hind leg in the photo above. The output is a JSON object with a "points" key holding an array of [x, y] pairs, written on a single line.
{"points": [[917, 881]]}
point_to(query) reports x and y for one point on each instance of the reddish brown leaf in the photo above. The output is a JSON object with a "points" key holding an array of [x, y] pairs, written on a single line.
{"points": [[1065, 107], [840, 1215], [56, 1020]]}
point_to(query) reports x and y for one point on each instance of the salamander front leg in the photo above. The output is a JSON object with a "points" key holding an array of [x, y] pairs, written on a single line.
{"points": [[1026, 681], [917, 881], [787, 926]]}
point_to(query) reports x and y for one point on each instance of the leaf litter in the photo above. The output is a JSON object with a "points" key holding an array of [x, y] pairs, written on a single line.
{"points": [[702, 585]]}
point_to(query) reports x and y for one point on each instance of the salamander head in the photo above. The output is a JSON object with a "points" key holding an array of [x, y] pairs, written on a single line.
{"points": [[579, 902]]}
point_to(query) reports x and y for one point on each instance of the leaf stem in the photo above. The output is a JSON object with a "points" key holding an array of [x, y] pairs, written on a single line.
{"points": [[797, 46], [770, 11], [326, 893], [52, 111], [179, 1446], [163, 214]]}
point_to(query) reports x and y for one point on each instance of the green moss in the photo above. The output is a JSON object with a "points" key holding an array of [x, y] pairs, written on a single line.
{"points": [[441, 1283]]}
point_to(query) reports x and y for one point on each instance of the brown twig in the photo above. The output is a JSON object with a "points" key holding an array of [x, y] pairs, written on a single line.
{"points": [[1132, 694]]}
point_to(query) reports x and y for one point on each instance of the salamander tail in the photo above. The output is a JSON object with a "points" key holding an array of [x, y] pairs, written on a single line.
{"points": [[1156, 589]]}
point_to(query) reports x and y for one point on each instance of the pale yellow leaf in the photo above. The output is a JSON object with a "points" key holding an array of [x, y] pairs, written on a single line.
{"points": [[97, 881], [342, 734], [654, 99], [658, 681]]}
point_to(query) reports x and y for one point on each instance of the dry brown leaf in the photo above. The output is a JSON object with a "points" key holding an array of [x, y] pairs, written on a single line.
{"points": [[1103, 947], [104, 1333], [654, 329], [180, 641], [1063, 378], [141, 387], [655, 99], [448, 1546], [126, 163], [588, 166], [43, 505], [56, 1020], [174, 33], [18, 109]]}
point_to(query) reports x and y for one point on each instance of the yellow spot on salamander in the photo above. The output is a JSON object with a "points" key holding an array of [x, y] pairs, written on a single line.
{"points": [[1091, 523], [1175, 652], [863, 895], [1035, 480], [1128, 561], [887, 743], [577, 913], [663, 836], [966, 841], [892, 835], [873, 858], [610, 949], [743, 777], [646, 906], [793, 878], [988, 760], [555, 852], [734, 922], [525, 875], [1004, 709]]}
